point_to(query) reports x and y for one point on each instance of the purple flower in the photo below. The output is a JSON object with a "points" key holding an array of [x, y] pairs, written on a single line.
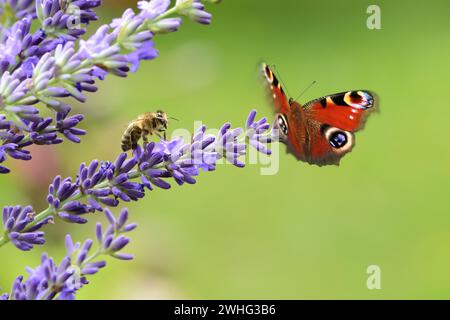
{"points": [[61, 281], [21, 228], [89, 179], [11, 45], [76, 79], [64, 18], [111, 240], [228, 147], [166, 25], [67, 126], [12, 90], [145, 52], [150, 166], [62, 199], [100, 47], [40, 132], [121, 186], [203, 150], [153, 8], [28, 66], [195, 10], [10, 149], [18, 44], [257, 133]]}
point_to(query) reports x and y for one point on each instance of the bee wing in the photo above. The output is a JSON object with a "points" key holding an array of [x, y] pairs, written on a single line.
{"points": [[130, 122]]}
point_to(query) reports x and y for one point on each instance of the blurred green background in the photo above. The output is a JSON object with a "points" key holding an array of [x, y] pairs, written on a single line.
{"points": [[306, 232]]}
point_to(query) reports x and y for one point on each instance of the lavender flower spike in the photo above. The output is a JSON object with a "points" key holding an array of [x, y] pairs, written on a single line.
{"points": [[258, 133], [50, 281], [20, 227], [100, 185], [112, 240]]}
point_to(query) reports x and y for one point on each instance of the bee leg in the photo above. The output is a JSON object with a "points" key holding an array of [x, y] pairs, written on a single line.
{"points": [[145, 136], [160, 137], [163, 132]]}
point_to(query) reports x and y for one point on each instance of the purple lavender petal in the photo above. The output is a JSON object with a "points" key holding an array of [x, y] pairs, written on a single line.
{"points": [[72, 218], [110, 217], [119, 243], [123, 256]]}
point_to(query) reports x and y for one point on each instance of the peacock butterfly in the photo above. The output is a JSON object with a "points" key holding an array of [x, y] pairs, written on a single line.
{"points": [[322, 131]]}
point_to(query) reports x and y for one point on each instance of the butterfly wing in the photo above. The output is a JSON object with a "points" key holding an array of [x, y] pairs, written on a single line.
{"points": [[280, 99], [331, 122], [287, 121], [346, 110]]}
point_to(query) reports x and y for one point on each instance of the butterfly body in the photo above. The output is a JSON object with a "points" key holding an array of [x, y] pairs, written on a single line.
{"points": [[321, 131]]}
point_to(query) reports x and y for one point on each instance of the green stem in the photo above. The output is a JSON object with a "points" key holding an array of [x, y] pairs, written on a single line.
{"points": [[39, 217], [168, 13], [96, 254], [4, 239]]}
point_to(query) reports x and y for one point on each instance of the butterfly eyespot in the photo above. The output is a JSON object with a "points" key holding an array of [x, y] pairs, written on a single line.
{"points": [[282, 124], [358, 99], [339, 139]]}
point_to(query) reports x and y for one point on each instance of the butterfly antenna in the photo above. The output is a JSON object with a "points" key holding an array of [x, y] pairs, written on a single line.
{"points": [[281, 80], [307, 88]]}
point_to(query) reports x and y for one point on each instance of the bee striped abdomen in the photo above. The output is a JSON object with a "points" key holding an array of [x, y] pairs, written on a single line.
{"points": [[131, 137]]}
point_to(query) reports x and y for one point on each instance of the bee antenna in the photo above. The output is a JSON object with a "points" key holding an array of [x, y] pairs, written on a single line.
{"points": [[174, 118]]}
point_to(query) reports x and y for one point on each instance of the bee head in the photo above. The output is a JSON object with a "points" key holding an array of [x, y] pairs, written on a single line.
{"points": [[161, 116]]}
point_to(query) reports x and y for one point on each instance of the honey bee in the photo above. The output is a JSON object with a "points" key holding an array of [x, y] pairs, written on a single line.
{"points": [[146, 124]]}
